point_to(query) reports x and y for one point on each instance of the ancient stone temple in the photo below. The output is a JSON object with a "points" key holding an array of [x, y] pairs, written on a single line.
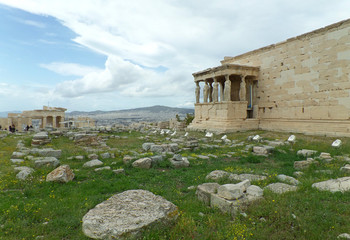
{"points": [[299, 85]]}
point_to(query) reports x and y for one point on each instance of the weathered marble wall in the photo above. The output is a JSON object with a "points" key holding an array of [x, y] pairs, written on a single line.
{"points": [[304, 82]]}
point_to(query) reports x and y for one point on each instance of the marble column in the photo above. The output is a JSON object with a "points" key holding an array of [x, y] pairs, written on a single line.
{"points": [[227, 90], [243, 89], [54, 121], [215, 90], [205, 92], [197, 92], [44, 122]]}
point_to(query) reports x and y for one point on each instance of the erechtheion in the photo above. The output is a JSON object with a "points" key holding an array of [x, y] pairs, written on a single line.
{"points": [[299, 85]]}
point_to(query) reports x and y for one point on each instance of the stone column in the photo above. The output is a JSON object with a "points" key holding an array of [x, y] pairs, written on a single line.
{"points": [[197, 92], [215, 90], [205, 92], [243, 89], [210, 92], [54, 121], [227, 90], [44, 122]]}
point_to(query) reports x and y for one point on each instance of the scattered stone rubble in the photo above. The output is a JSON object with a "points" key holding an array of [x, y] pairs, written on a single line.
{"points": [[229, 198], [41, 138]]}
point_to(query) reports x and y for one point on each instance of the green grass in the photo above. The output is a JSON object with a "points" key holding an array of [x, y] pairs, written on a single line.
{"points": [[38, 208]]}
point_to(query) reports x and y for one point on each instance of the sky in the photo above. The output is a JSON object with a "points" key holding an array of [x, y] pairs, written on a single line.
{"points": [[117, 54]]}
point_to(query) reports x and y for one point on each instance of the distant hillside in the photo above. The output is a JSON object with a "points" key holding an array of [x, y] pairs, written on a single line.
{"points": [[153, 114], [4, 114]]}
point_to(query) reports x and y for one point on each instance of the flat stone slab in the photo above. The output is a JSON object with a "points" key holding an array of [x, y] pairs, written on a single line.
{"points": [[280, 188], [17, 161], [127, 214], [46, 162], [220, 174], [24, 172], [217, 175], [250, 177], [300, 165], [287, 179], [306, 152], [334, 185], [46, 152], [93, 163]]}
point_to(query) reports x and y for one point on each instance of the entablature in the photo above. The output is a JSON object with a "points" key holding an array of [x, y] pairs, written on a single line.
{"points": [[227, 69]]}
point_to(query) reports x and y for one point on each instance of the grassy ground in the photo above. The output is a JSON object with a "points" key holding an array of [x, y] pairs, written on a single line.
{"points": [[36, 209]]}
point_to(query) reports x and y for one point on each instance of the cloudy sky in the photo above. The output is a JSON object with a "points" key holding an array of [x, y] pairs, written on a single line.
{"points": [[119, 54]]}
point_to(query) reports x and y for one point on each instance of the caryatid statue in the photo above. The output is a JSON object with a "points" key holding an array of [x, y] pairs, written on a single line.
{"points": [[215, 91], [227, 90], [198, 92], [205, 92], [243, 90], [210, 92]]}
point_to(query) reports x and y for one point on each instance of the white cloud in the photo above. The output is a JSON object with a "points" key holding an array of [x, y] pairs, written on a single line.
{"points": [[70, 69], [30, 22], [138, 36], [34, 23]]}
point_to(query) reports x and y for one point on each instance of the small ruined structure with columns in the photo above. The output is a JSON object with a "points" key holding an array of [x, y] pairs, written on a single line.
{"points": [[48, 117], [298, 85]]}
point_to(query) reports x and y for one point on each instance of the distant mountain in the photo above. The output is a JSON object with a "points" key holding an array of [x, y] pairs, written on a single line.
{"points": [[152, 114]]}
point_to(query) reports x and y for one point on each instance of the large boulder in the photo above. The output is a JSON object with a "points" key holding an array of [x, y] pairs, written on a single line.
{"points": [[61, 174], [145, 163], [126, 215]]}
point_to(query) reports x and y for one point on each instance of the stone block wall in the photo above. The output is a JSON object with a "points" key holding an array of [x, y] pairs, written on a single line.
{"points": [[304, 82]]}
